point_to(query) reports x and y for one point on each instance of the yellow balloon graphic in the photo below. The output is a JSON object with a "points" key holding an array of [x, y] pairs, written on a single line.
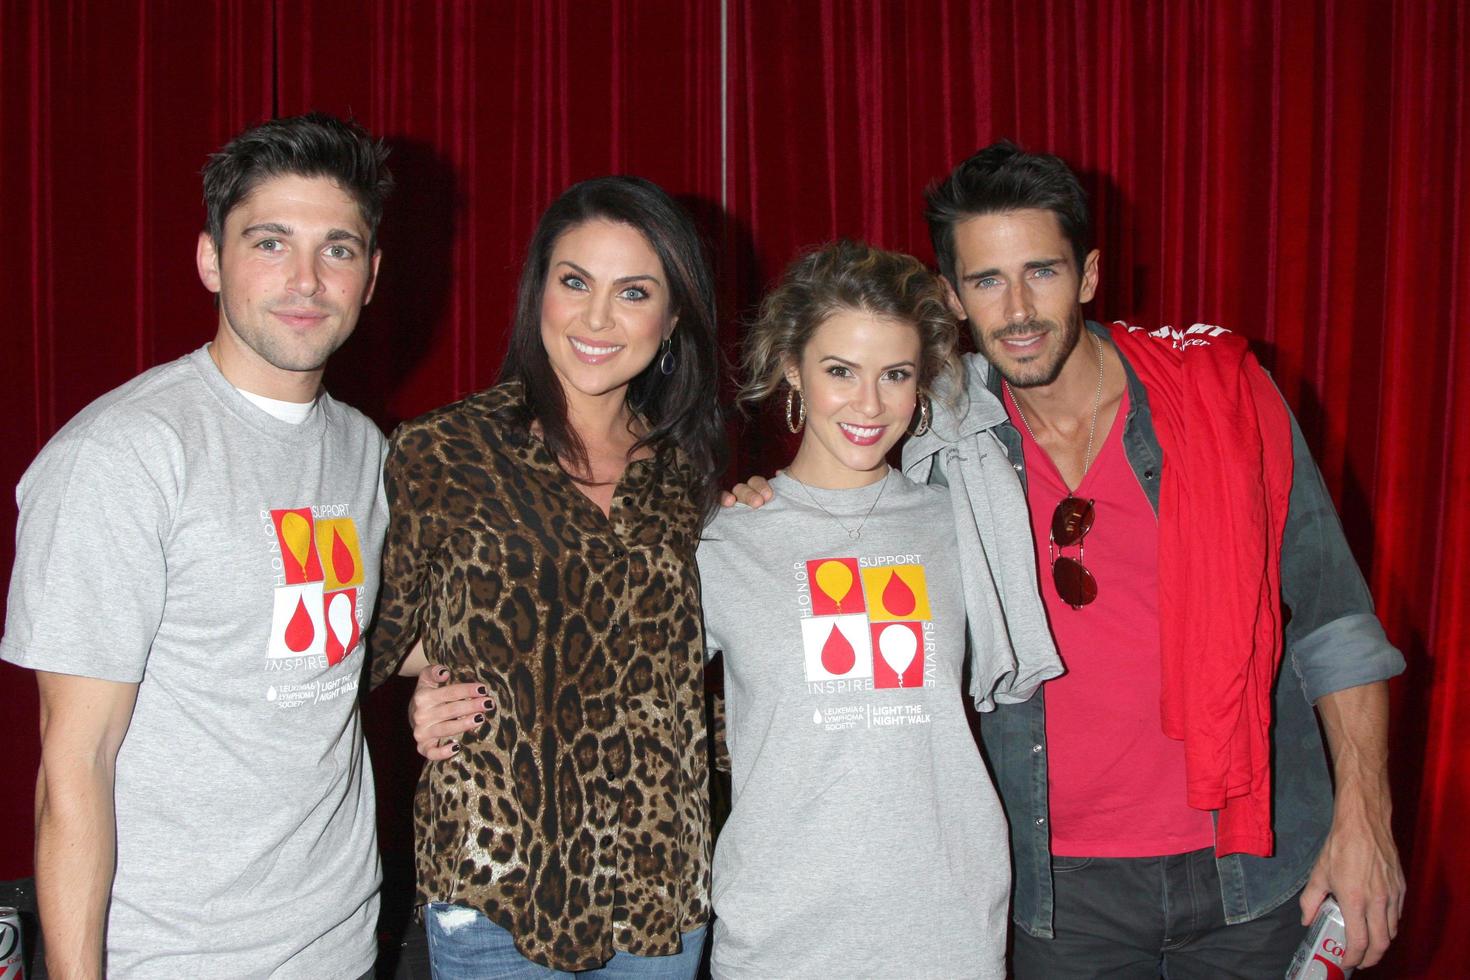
{"points": [[835, 579], [296, 532]]}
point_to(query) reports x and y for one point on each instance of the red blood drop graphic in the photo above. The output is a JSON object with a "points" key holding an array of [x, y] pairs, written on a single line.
{"points": [[300, 631], [898, 598], [838, 656], [342, 562]]}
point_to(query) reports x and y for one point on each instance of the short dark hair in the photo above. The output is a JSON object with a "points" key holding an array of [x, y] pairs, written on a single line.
{"points": [[682, 408], [848, 275], [1000, 178], [311, 145]]}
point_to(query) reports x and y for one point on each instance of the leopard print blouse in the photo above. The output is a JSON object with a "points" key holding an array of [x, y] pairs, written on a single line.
{"points": [[576, 816]]}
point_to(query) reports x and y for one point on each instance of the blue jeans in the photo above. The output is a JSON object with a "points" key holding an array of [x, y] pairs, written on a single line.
{"points": [[478, 949]]}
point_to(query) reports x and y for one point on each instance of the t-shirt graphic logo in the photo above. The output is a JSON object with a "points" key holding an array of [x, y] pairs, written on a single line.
{"points": [[342, 632], [837, 647], [900, 660], [834, 586], [865, 623], [315, 612], [296, 623], [298, 550], [897, 592], [336, 542]]}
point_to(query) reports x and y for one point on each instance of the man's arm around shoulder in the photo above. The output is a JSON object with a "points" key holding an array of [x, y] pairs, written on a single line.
{"points": [[83, 721]]}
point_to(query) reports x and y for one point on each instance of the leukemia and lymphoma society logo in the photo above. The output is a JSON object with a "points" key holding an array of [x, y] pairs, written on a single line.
{"points": [[315, 618], [866, 623]]}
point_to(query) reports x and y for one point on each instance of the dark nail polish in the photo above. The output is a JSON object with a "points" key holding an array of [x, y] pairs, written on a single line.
{"points": [[489, 705], [481, 690], [479, 718], [453, 747]]}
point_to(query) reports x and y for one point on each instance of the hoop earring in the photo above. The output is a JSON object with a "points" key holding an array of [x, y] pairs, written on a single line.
{"points": [[923, 425], [794, 396], [666, 359]]}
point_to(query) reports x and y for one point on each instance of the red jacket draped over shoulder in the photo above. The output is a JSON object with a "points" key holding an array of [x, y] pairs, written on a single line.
{"points": [[1223, 495]]}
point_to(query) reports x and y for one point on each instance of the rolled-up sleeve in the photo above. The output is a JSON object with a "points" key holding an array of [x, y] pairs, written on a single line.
{"points": [[1334, 640]]}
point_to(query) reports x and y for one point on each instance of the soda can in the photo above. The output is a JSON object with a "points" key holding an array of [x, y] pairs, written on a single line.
{"points": [[1319, 957], [12, 953]]}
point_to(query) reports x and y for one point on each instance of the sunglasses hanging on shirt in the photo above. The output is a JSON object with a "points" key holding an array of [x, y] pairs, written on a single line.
{"points": [[1070, 523]]}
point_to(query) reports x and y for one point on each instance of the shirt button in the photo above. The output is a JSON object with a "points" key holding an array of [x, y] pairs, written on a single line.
{"points": [[1148, 474], [1017, 467], [1036, 749], [1041, 821], [617, 630]]}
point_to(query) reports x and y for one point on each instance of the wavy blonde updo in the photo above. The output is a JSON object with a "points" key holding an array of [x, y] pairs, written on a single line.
{"points": [[847, 276]]}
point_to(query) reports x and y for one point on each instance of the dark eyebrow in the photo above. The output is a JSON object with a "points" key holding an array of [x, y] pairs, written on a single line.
{"points": [[343, 235], [1033, 264], [622, 279], [276, 228]]}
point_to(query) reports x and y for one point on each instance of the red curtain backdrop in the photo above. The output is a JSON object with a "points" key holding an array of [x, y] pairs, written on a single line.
{"points": [[1293, 169]]}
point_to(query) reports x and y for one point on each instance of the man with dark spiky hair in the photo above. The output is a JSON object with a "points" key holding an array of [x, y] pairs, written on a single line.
{"points": [[1170, 804], [196, 557]]}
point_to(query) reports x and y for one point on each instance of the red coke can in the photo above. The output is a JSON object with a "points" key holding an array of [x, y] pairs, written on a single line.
{"points": [[1319, 957], [12, 953]]}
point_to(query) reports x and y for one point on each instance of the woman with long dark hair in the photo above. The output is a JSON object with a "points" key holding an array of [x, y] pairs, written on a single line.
{"points": [[541, 548]]}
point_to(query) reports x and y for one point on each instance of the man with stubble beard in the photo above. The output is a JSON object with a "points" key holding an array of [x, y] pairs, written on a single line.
{"points": [[196, 556], [1169, 799]]}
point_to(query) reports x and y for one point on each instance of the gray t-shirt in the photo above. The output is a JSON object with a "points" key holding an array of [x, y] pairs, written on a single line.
{"points": [[176, 536], [865, 838]]}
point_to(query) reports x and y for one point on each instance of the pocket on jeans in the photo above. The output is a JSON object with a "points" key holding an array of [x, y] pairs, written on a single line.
{"points": [[1060, 865]]}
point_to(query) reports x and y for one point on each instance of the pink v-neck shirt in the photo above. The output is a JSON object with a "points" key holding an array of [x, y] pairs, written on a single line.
{"points": [[1116, 782]]}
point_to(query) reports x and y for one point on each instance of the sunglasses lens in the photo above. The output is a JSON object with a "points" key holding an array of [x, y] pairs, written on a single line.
{"points": [[1074, 582], [1071, 521]]}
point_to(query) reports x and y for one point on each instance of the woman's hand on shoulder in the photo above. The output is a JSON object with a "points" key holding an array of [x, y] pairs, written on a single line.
{"points": [[439, 712]]}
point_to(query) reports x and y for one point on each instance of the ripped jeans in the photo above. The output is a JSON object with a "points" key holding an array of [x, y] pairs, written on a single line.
{"points": [[464, 945]]}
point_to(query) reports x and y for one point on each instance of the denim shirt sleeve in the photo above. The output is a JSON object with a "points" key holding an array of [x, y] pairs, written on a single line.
{"points": [[1334, 641]]}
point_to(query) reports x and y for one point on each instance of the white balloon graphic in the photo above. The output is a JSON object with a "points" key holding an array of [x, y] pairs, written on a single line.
{"points": [[339, 615], [898, 646]]}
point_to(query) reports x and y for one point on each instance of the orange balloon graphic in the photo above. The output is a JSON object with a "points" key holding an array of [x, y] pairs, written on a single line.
{"points": [[834, 579], [296, 532]]}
